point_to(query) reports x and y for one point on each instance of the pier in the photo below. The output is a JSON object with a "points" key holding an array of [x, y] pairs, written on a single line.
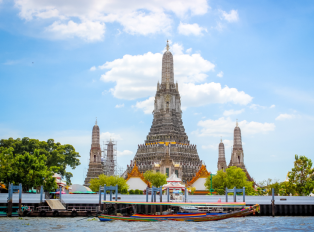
{"points": [[88, 205]]}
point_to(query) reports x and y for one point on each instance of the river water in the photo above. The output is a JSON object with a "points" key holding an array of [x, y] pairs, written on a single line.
{"points": [[92, 224]]}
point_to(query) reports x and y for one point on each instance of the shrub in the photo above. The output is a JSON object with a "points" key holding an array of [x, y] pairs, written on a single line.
{"points": [[137, 191], [131, 191], [124, 191], [141, 192]]}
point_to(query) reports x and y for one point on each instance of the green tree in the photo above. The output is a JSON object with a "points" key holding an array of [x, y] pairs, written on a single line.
{"points": [[57, 155], [29, 169], [109, 181], [301, 176], [156, 179], [260, 191], [233, 177]]}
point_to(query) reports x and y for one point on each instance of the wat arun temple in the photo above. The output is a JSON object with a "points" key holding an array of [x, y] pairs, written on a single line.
{"points": [[167, 148]]}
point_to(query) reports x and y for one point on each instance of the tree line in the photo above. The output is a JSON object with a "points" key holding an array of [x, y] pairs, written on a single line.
{"points": [[33, 162], [300, 181]]}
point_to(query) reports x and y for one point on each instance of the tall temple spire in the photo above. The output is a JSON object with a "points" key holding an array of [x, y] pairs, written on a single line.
{"points": [[237, 141], [167, 67], [237, 154], [95, 167], [222, 165], [95, 136], [167, 147]]}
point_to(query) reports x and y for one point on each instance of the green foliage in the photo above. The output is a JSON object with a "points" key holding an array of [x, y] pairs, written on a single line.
{"points": [[220, 191], [260, 191], [233, 177], [156, 179], [109, 181], [137, 191], [131, 191], [29, 169], [68, 176], [141, 192], [301, 176], [57, 155], [124, 191], [281, 188]]}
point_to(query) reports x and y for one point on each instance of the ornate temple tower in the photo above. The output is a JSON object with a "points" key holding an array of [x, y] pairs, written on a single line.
{"points": [[110, 163], [222, 165], [167, 148], [95, 167], [237, 155]]}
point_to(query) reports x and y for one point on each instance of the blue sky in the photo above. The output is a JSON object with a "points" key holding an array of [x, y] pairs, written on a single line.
{"points": [[62, 64]]}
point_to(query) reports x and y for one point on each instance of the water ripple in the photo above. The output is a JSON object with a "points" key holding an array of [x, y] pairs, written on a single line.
{"points": [[84, 224]]}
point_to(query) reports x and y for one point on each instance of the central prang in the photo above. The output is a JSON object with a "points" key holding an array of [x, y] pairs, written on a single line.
{"points": [[167, 148]]}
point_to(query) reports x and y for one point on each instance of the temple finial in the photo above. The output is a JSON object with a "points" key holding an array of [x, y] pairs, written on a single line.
{"points": [[167, 47], [96, 121], [237, 123], [221, 139]]}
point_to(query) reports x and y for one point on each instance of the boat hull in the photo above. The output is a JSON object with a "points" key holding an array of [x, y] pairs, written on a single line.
{"points": [[130, 219], [181, 215]]}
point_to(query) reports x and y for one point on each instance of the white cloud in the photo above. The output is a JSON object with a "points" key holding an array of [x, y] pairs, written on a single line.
{"points": [[199, 95], [147, 105], [106, 136], [89, 31], [211, 93], [225, 126], [137, 77], [177, 49], [190, 29], [124, 153], [137, 16], [120, 106], [232, 112], [220, 74], [272, 106], [230, 17], [92, 68], [189, 50], [143, 23], [256, 106], [285, 116]]}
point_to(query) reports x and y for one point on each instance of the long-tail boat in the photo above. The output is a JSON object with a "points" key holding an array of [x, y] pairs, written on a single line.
{"points": [[242, 213]]}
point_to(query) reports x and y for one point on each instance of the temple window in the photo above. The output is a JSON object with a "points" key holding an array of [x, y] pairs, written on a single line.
{"points": [[167, 172]]}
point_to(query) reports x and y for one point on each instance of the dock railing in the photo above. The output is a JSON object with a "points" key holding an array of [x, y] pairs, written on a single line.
{"points": [[43, 208], [84, 208]]}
